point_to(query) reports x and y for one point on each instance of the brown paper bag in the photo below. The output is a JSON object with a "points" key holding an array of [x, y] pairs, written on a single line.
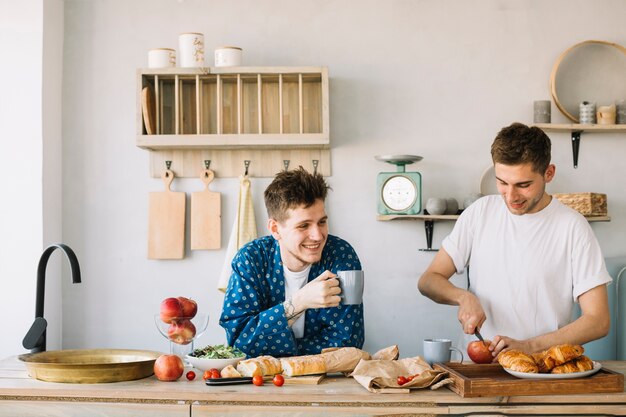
{"points": [[343, 359], [379, 376]]}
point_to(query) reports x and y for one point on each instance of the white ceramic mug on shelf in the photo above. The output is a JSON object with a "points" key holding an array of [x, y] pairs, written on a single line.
{"points": [[161, 58], [191, 49], [228, 56]]}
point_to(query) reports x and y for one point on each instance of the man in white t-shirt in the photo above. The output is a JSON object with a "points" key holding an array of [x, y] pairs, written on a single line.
{"points": [[529, 257]]}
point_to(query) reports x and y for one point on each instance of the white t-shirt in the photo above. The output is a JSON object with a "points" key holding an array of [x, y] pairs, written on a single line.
{"points": [[293, 282], [529, 270]]}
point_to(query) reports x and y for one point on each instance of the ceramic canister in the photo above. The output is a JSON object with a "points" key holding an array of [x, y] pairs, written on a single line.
{"points": [[161, 58], [620, 109], [542, 111], [587, 113], [191, 49], [228, 56]]}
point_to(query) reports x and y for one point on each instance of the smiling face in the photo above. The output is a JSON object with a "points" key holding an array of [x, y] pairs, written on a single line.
{"points": [[523, 190], [302, 235]]}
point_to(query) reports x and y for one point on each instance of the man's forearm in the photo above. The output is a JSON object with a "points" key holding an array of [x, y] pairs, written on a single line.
{"points": [[440, 289], [582, 330]]}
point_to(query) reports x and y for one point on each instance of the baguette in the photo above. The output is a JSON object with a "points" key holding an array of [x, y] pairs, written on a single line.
{"points": [[230, 372], [262, 365], [303, 365]]}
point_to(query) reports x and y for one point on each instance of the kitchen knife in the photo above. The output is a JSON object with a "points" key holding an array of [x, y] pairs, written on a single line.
{"points": [[479, 336]]}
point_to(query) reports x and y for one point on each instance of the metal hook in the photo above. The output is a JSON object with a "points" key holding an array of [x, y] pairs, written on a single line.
{"points": [[247, 165], [168, 164], [286, 164], [207, 163], [315, 164]]}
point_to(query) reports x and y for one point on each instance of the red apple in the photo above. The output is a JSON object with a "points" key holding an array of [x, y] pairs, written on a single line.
{"points": [[181, 331], [479, 352], [168, 368], [170, 308], [190, 307]]}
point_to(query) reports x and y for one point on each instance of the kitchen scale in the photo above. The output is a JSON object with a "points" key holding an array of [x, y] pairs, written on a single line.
{"points": [[399, 192]]}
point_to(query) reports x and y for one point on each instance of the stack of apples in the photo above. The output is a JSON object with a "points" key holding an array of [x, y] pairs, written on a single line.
{"points": [[178, 312]]}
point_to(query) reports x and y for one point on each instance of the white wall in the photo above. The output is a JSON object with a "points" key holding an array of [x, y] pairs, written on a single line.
{"points": [[21, 202], [432, 78]]}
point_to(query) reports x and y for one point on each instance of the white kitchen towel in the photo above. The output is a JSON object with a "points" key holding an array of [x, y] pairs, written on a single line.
{"points": [[244, 230]]}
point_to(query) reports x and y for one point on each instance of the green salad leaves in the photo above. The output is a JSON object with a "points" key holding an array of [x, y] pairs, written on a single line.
{"points": [[217, 352]]}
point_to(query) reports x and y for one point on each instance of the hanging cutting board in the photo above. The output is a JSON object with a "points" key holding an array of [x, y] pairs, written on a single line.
{"points": [[148, 107], [166, 222], [206, 216]]}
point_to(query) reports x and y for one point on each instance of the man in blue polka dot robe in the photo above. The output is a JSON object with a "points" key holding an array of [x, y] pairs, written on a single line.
{"points": [[283, 296]]}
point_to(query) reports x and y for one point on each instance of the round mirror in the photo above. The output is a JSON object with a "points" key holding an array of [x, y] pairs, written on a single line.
{"points": [[593, 71]]}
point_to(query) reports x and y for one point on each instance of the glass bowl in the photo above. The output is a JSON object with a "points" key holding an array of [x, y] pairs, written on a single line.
{"points": [[181, 332]]}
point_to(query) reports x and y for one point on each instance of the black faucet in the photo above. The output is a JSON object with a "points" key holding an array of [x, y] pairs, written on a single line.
{"points": [[35, 339]]}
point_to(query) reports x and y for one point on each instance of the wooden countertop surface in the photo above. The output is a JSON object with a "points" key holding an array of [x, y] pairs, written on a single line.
{"points": [[15, 384]]}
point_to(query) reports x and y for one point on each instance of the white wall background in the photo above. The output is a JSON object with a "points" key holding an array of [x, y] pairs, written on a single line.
{"points": [[432, 78]]}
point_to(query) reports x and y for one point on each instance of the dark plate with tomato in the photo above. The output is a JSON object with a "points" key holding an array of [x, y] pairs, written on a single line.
{"points": [[229, 381]]}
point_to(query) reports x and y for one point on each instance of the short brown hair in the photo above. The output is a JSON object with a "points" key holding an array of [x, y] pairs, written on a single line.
{"points": [[520, 144], [291, 189]]}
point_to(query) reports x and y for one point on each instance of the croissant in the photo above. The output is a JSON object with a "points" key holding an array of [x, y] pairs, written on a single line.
{"points": [[518, 361], [557, 355], [580, 364]]}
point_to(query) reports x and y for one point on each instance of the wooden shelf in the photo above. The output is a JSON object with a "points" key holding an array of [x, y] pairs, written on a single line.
{"points": [[576, 129], [266, 115], [571, 127], [430, 219]]}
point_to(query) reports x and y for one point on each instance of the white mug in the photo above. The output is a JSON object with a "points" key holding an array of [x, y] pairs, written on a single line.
{"points": [[228, 56], [352, 285], [439, 350], [191, 49], [161, 58]]}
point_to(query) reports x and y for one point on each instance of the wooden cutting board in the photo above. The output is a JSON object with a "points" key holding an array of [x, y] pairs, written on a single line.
{"points": [[166, 222], [490, 380], [299, 380], [206, 216], [148, 107]]}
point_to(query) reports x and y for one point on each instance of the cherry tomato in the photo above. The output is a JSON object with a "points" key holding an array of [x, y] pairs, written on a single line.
{"points": [[214, 370], [410, 378], [206, 375], [278, 380], [191, 375], [215, 374], [257, 380], [402, 380]]}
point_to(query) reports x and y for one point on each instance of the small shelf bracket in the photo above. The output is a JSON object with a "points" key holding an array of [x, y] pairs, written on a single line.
{"points": [[429, 226], [576, 145]]}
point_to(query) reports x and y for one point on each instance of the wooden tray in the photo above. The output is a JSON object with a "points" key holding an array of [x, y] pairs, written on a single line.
{"points": [[490, 380]]}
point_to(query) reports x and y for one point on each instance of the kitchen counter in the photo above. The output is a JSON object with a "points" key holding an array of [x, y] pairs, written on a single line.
{"points": [[22, 396]]}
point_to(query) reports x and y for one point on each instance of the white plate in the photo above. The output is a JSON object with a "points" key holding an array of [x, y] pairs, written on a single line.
{"points": [[488, 181], [526, 375], [394, 159]]}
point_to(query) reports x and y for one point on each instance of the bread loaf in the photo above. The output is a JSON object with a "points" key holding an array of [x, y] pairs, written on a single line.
{"points": [[230, 372], [303, 365], [262, 365], [518, 361]]}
